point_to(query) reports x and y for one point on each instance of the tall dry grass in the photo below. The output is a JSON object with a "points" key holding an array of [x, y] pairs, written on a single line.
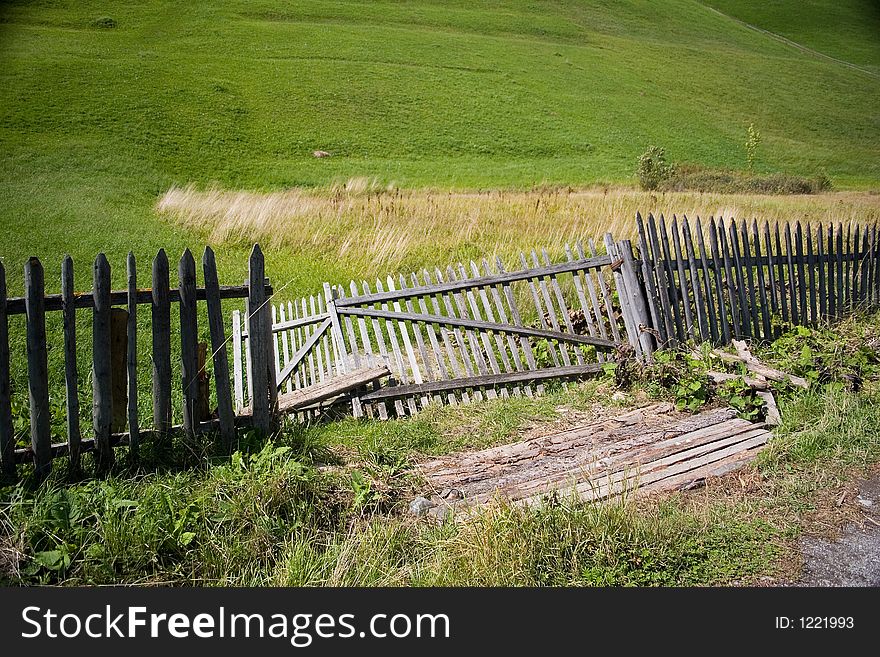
{"points": [[369, 227]]}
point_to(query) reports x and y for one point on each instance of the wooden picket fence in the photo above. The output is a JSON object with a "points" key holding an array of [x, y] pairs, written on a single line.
{"points": [[469, 333], [729, 280], [466, 333], [115, 362]]}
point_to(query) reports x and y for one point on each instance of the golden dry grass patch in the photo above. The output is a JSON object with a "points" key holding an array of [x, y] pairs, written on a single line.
{"points": [[365, 224]]}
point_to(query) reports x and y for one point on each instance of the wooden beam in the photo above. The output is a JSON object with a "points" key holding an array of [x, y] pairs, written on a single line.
{"points": [[566, 372], [329, 389], [508, 277], [480, 325]]}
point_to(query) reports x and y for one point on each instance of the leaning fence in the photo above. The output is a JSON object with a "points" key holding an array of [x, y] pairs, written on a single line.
{"points": [[474, 331]]}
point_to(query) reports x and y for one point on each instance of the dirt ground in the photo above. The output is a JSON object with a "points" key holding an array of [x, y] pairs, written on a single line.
{"points": [[854, 558]]}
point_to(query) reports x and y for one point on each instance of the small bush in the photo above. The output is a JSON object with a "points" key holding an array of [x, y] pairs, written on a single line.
{"points": [[695, 178], [653, 169]]}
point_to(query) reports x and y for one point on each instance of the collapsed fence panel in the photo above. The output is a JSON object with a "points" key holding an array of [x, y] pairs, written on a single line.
{"points": [[474, 331]]}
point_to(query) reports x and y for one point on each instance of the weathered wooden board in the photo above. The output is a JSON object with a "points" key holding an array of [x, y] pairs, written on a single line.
{"points": [[650, 448]]}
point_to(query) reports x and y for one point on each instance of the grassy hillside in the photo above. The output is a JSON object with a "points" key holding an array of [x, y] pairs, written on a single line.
{"points": [[104, 106], [845, 29]]}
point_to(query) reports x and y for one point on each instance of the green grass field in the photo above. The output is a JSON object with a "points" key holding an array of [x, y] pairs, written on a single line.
{"points": [[97, 121], [106, 106]]}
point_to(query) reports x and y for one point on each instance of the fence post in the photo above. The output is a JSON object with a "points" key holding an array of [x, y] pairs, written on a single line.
{"points": [[259, 342], [336, 329], [636, 298], [161, 321], [7, 436], [38, 368], [133, 428], [625, 306], [102, 387], [71, 376], [189, 362], [218, 349]]}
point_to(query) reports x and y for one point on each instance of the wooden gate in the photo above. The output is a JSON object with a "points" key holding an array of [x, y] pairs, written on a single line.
{"points": [[470, 332]]}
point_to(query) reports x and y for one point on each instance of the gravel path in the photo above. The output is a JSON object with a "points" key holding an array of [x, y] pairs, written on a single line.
{"points": [[853, 559]]}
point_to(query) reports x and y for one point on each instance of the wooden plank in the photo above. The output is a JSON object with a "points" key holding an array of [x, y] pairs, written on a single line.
{"points": [[711, 313], [548, 304], [507, 277], [432, 338], [822, 291], [276, 339], [864, 264], [352, 380], [719, 282], [674, 287], [297, 359], [203, 406], [630, 322], [635, 299], [603, 288], [38, 368], [749, 265], [489, 311], [407, 343], [699, 300], [132, 332], [683, 283], [487, 380], [490, 315], [875, 265], [780, 268], [118, 369], [762, 289], [503, 318], [847, 278], [161, 323], [591, 317], [71, 375], [668, 333], [792, 278], [225, 412], [745, 310], [258, 371], [7, 431], [811, 276], [310, 330], [237, 372], [102, 385], [832, 292], [481, 325], [756, 366], [189, 339], [650, 282], [516, 318], [801, 276], [488, 350], [840, 283], [771, 272], [539, 310], [560, 302], [396, 351], [479, 359], [285, 346], [383, 352], [729, 277], [325, 342]]}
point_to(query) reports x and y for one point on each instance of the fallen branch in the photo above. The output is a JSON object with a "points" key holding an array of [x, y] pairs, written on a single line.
{"points": [[721, 377], [756, 366], [772, 418]]}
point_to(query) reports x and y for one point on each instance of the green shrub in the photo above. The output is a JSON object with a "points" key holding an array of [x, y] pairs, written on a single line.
{"points": [[653, 169], [692, 177]]}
